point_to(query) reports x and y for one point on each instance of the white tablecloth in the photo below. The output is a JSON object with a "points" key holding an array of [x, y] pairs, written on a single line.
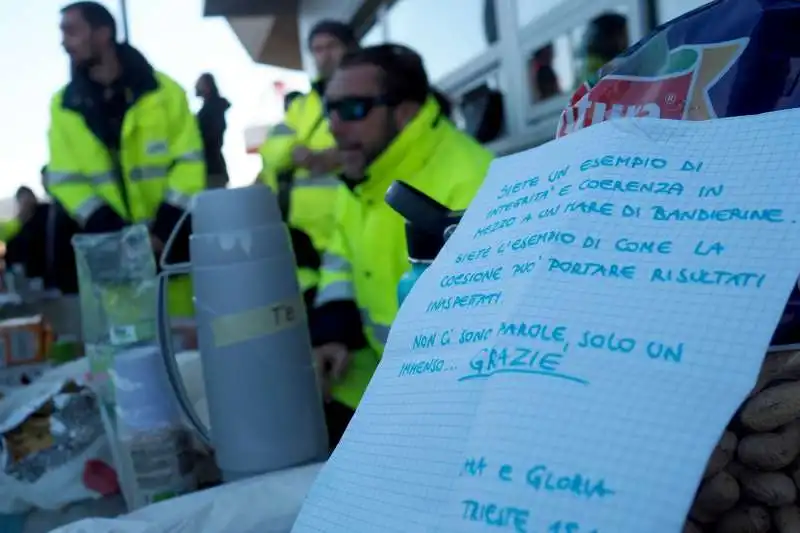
{"points": [[266, 504]]}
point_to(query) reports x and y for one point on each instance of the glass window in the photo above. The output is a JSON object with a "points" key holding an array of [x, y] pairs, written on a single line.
{"points": [[668, 10], [446, 33], [479, 110], [529, 10], [373, 36], [559, 66]]}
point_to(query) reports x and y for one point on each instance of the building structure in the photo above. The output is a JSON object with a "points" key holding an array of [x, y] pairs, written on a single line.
{"points": [[487, 55]]}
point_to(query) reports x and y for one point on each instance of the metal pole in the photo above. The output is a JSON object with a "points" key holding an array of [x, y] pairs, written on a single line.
{"points": [[123, 9]]}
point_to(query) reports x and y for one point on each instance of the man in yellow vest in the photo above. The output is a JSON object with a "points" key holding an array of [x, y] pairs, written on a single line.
{"points": [[388, 126], [124, 146], [301, 160]]}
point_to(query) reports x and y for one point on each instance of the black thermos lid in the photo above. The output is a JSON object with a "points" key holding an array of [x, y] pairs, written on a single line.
{"points": [[426, 220]]}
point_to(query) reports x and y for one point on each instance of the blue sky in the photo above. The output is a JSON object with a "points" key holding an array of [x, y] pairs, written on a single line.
{"points": [[175, 38]]}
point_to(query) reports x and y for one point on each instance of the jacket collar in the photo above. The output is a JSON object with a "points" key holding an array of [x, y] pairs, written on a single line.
{"points": [[406, 154], [137, 76], [319, 87]]}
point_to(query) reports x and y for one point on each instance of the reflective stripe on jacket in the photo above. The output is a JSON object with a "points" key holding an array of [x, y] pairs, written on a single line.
{"points": [[312, 198], [367, 254], [160, 159], [152, 178]]}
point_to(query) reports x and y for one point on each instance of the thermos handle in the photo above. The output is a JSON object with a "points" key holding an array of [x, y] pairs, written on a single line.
{"points": [[165, 333], [167, 352]]}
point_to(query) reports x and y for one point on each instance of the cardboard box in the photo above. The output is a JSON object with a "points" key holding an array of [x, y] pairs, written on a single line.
{"points": [[24, 341]]}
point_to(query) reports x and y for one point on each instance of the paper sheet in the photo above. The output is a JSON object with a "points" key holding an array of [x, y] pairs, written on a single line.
{"points": [[573, 355]]}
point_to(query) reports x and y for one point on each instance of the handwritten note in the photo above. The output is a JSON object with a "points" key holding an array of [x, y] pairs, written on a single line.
{"points": [[571, 358]]}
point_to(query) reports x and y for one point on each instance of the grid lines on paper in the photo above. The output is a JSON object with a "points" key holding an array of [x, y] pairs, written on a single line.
{"points": [[645, 429]]}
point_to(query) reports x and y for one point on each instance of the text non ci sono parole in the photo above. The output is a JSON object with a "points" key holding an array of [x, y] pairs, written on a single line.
{"points": [[541, 332], [657, 213], [517, 357]]}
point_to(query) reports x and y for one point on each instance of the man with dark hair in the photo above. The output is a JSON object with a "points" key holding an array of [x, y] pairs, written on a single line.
{"points": [[300, 157], [388, 126], [124, 146], [33, 242]]}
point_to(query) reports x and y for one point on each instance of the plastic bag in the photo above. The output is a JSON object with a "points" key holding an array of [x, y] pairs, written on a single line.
{"points": [[118, 290], [117, 278], [265, 504], [47, 472], [727, 58]]}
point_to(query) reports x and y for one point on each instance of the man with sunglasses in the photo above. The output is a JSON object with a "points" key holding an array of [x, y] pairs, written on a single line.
{"points": [[388, 126], [300, 159]]}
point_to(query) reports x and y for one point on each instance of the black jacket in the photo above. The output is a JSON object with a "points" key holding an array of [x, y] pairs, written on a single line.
{"points": [[211, 120], [43, 246]]}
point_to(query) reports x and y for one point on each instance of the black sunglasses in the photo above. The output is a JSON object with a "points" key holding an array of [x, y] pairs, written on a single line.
{"points": [[353, 108]]}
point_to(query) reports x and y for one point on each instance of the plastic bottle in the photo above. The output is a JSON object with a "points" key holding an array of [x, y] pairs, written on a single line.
{"points": [[428, 224]]}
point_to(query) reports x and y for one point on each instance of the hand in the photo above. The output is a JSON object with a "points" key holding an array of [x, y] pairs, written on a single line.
{"points": [[324, 162], [331, 362], [156, 243], [300, 156]]}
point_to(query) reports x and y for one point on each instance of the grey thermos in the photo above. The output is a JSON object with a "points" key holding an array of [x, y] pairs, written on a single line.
{"points": [[265, 410]]}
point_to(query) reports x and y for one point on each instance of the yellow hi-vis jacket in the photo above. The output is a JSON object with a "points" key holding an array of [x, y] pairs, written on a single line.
{"points": [[157, 170], [367, 254], [9, 229], [312, 198]]}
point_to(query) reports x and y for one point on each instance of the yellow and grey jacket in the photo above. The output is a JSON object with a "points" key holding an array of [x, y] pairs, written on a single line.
{"points": [[136, 158], [366, 257], [310, 200], [9, 229]]}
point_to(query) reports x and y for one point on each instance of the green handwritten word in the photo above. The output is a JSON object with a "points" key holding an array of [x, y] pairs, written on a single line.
{"points": [[469, 301], [416, 368], [643, 247], [495, 515], [469, 336], [591, 270], [701, 276], [613, 161], [669, 188], [538, 238], [605, 209], [494, 226], [470, 278], [610, 342], [541, 478], [491, 360], [474, 255], [518, 186], [516, 204], [541, 332], [423, 341], [663, 214]]}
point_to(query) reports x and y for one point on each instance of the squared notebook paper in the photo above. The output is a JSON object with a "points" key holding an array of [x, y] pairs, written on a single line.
{"points": [[573, 355]]}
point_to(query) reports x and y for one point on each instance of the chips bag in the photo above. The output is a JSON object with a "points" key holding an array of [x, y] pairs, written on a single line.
{"points": [[727, 58]]}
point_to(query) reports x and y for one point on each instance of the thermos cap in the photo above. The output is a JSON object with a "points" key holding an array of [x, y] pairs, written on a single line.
{"points": [[426, 220]]}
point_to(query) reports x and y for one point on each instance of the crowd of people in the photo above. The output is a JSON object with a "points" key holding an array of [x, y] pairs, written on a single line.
{"points": [[370, 118]]}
